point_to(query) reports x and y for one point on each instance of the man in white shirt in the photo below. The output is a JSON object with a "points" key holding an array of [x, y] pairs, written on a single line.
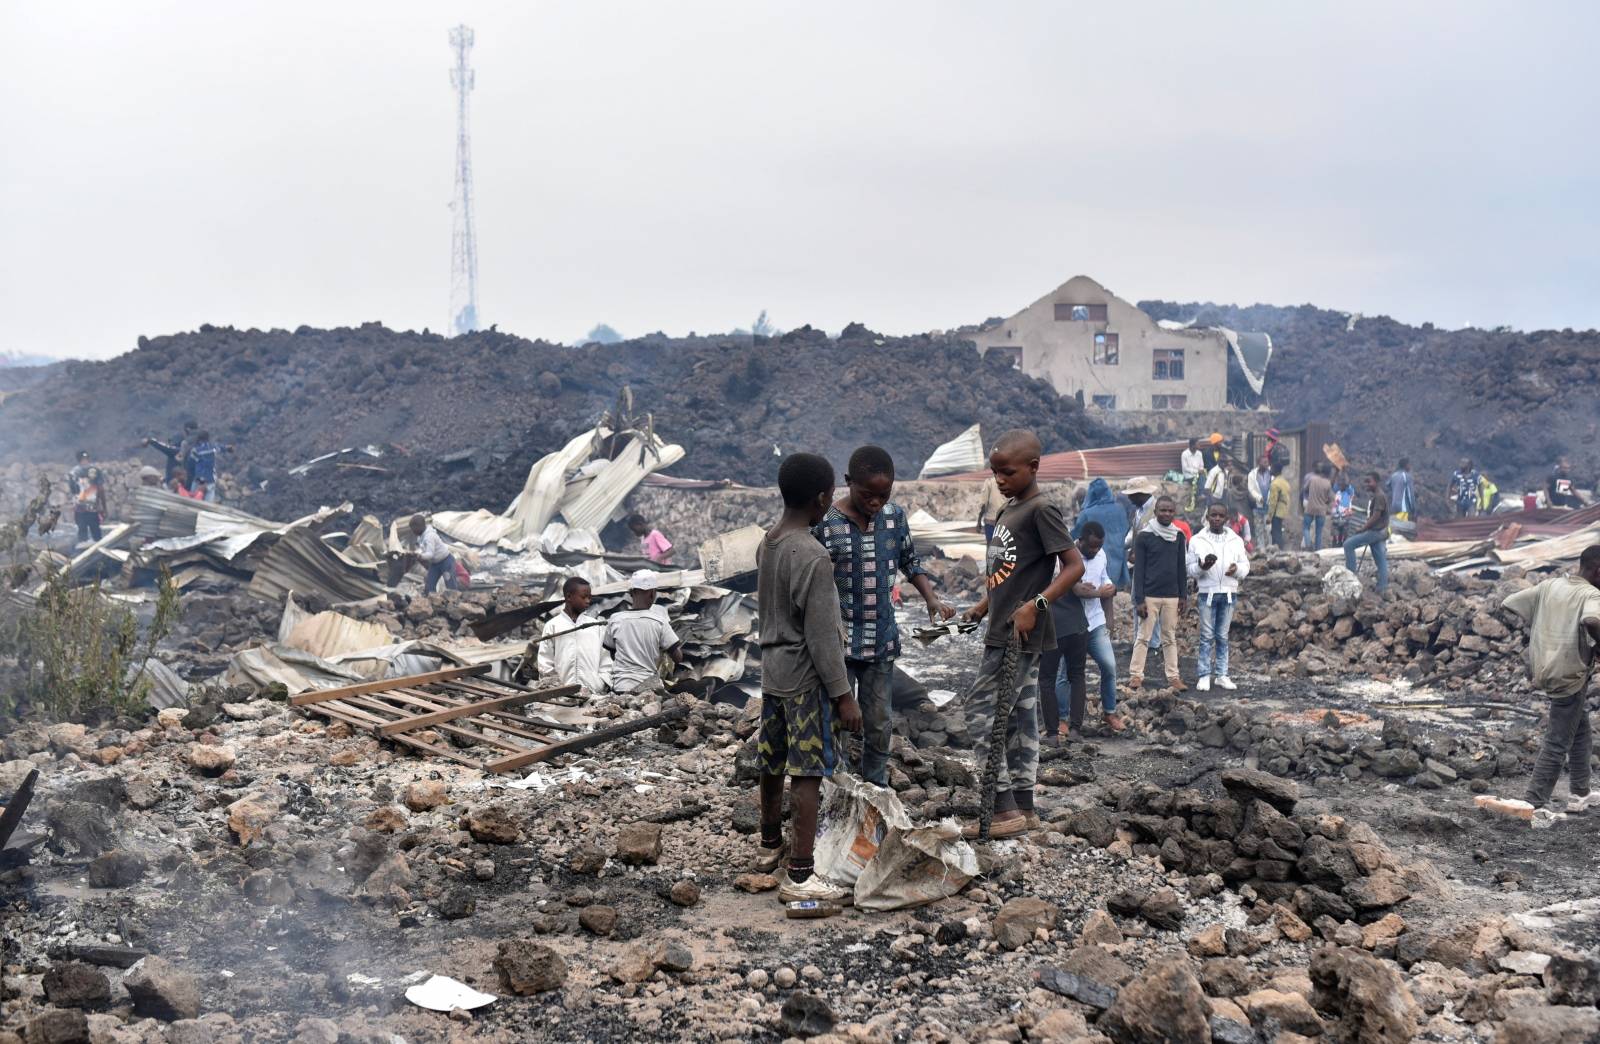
{"points": [[434, 554], [637, 636], [1192, 464], [1217, 561], [568, 655], [1217, 483]]}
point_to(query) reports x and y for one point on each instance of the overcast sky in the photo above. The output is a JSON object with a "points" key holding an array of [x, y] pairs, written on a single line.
{"points": [[680, 166]]}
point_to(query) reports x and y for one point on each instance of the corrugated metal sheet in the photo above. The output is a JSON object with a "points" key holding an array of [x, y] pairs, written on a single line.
{"points": [[300, 561], [1543, 522], [961, 454], [1112, 462]]}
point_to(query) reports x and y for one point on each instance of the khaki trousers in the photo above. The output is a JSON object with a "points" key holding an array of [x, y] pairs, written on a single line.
{"points": [[1166, 611]]}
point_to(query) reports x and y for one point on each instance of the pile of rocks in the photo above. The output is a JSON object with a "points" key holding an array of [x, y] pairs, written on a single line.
{"points": [[1430, 624]]}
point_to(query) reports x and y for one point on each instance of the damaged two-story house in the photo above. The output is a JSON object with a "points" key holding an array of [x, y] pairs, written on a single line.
{"points": [[1089, 343]]}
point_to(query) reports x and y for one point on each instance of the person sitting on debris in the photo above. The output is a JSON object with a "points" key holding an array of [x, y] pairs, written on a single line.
{"points": [[203, 467], [1217, 560], [150, 477], [638, 635], [1030, 540], [1464, 491], [652, 544], [1278, 506], [89, 507], [1160, 590], [175, 485], [805, 688], [868, 539], [1239, 522], [1402, 493], [1374, 535], [434, 554], [1100, 507], [1561, 491], [989, 507], [568, 655], [1563, 616]]}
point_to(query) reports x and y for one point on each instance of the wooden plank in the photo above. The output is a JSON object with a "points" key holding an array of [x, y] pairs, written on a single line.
{"points": [[494, 719], [587, 740], [360, 719], [465, 710], [488, 687], [307, 698]]}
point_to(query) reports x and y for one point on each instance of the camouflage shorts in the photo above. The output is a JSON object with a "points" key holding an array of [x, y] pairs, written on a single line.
{"points": [[799, 735]]}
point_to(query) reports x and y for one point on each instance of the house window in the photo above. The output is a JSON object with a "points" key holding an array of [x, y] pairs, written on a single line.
{"points": [[1091, 313], [1107, 348], [1105, 402], [1167, 364], [1169, 402], [1013, 356]]}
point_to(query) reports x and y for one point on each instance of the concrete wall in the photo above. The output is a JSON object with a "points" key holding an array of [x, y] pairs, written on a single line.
{"points": [[1062, 351]]}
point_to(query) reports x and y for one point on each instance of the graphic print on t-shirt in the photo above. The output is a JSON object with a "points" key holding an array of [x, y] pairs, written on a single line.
{"points": [[1002, 555]]}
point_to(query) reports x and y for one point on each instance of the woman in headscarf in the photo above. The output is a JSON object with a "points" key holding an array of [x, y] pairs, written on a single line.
{"points": [[1101, 506]]}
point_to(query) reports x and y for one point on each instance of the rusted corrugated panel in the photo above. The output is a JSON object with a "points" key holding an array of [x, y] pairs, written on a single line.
{"points": [[1149, 458], [1543, 522]]}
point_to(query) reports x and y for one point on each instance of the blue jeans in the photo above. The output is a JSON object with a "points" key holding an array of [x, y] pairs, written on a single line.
{"points": [[873, 681], [1216, 616], [1105, 658], [444, 569], [1307, 523], [1378, 541]]}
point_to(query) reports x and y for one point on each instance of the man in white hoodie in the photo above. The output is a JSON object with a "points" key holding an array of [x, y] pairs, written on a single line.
{"points": [[1217, 562]]}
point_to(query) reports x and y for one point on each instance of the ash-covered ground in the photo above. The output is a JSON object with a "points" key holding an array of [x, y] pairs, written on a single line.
{"points": [[1300, 859]]}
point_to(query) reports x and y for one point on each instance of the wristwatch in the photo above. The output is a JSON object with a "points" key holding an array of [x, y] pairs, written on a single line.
{"points": [[1041, 603]]}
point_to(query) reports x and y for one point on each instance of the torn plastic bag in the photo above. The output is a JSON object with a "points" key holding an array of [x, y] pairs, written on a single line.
{"points": [[866, 840]]}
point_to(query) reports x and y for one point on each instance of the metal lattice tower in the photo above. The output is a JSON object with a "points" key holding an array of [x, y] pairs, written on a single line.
{"points": [[463, 238]]}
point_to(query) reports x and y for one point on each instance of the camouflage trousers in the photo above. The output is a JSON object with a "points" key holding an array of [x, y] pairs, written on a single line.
{"points": [[1020, 768]]}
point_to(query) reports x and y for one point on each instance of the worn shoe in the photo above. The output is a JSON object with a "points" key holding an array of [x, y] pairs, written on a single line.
{"points": [[814, 887], [1002, 826], [1204, 684], [1225, 682], [769, 859], [1583, 802], [1135, 683], [1114, 722], [1177, 685], [1031, 818]]}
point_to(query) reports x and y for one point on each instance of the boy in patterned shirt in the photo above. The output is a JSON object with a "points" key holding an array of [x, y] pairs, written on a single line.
{"points": [[867, 536]]}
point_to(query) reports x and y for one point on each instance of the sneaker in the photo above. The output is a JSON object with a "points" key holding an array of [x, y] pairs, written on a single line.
{"points": [[1583, 802], [769, 859], [1204, 684], [1135, 683], [1225, 682], [814, 887], [1114, 722]]}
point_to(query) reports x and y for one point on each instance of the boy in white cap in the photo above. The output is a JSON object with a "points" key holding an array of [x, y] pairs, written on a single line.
{"points": [[637, 636]]}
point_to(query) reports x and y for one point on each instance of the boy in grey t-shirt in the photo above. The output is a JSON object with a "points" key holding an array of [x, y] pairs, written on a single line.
{"points": [[805, 690], [1030, 538]]}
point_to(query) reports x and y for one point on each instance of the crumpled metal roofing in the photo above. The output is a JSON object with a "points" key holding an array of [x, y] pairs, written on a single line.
{"points": [[1542, 522], [301, 561]]}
